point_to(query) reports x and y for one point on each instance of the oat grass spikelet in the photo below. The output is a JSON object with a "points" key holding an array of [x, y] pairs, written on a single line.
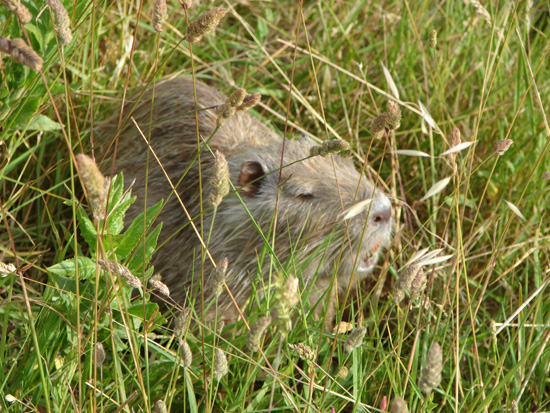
{"points": [[160, 14], [21, 53], [256, 332], [220, 366], [6, 269], [23, 14], [393, 117], [431, 373], [220, 182], [502, 146], [94, 183], [63, 28], [204, 24], [355, 339]]}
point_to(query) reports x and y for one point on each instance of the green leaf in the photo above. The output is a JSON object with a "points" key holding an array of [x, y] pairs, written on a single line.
{"points": [[43, 123], [115, 220], [87, 230], [68, 268], [27, 111], [135, 264], [134, 233]]}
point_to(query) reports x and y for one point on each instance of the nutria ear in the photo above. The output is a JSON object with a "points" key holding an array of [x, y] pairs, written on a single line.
{"points": [[250, 178]]}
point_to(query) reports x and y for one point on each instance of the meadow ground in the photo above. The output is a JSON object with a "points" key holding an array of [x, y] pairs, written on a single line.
{"points": [[468, 75]]}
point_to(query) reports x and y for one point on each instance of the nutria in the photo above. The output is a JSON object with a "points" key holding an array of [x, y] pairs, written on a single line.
{"points": [[312, 239]]}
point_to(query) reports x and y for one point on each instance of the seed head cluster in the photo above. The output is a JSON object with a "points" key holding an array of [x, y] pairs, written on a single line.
{"points": [[204, 24], [23, 14], [431, 373], [21, 53], [63, 28]]}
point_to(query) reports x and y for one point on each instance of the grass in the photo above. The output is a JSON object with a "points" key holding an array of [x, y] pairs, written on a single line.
{"points": [[486, 304]]}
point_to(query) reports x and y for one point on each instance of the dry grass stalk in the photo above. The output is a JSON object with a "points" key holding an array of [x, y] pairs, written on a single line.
{"points": [[21, 53], [160, 14], [63, 28], [204, 24]]}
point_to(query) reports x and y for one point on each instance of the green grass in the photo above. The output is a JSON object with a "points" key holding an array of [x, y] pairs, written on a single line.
{"points": [[486, 305]]}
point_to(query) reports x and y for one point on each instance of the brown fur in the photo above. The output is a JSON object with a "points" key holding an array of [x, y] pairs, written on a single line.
{"points": [[312, 196]]}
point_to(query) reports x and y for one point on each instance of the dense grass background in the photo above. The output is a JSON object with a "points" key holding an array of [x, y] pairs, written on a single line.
{"points": [[487, 304]]}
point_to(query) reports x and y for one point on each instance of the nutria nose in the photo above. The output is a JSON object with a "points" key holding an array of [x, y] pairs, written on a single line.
{"points": [[381, 211]]}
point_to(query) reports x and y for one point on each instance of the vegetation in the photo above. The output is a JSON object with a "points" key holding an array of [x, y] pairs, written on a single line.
{"points": [[458, 315]]}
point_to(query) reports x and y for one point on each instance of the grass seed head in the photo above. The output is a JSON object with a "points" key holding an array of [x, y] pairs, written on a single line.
{"points": [[220, 182], [120, 270], [204, 24], [160, 14], [393, 118], [546, 175], [502, 146], [317, 150], [185, 4], [21, 53], [335, 146], [94, 182], [431, 373], [23, 14], [158, 285], [186, 354], [343, 372], [304, 351], [256, 332], [160, 407], [181, 323], [405, 281], [378, 126], [217, 280], [99, 354], [432, 39], [398, 405], [220, 366], [250, 101], [355, 339], [63, 21], [418, 284]]}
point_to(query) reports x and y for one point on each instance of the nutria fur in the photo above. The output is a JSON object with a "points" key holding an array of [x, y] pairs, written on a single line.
{"points": [[312, 239]]}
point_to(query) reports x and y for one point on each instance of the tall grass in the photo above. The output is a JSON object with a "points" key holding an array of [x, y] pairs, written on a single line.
{"points": [[485, 302]]}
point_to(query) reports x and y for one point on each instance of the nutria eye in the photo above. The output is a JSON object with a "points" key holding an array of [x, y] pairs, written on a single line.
{"points": [[306, 197]]}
